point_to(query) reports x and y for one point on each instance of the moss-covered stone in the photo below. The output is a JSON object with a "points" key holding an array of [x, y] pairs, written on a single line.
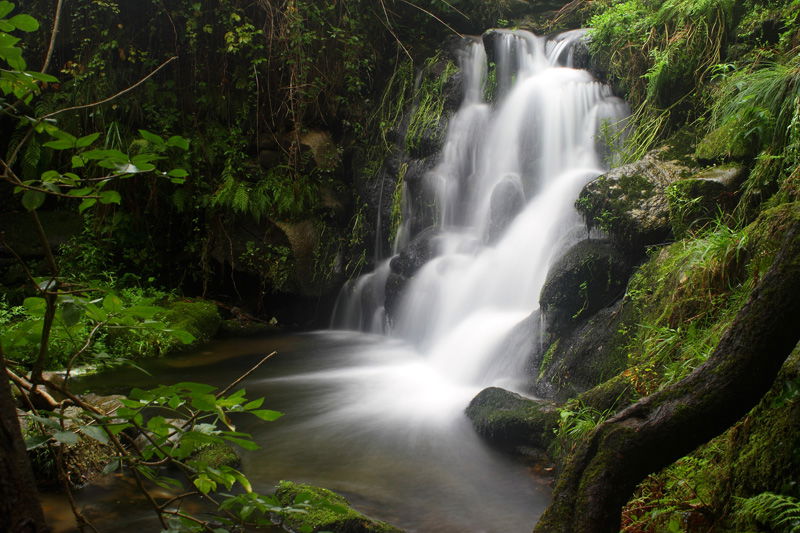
{"points": [[216, 455], [588, 277], [695, 202], [630, 202], [199, 317], [511, 421], [325, 511]]}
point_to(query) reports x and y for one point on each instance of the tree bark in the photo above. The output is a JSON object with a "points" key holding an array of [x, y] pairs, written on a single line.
{"points": [[603, 472], [20, 510]]}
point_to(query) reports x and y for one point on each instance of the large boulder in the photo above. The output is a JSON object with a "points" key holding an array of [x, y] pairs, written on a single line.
{"points": [[630, 202], [584, 358], [511, 421], [589, 276]]}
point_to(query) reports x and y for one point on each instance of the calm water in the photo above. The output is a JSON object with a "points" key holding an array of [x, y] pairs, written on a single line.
{"points": [[365, 416]]}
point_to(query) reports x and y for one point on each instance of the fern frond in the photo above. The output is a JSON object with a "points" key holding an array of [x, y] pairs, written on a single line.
{"points": [[776, 511]]}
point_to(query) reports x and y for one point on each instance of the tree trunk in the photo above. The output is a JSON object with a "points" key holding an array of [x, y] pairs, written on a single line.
{"points": [[605, 469], [20, 510]]}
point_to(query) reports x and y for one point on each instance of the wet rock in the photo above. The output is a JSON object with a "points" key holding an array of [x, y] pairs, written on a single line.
{"points": [[583, 358], [511, 421], [507, 201], [630, 202], [405, 265], [327, 511], [589, 276]]}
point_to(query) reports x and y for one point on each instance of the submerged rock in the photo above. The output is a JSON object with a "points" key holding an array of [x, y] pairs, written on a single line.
{"points": [[326, 511], [403, 267], [511, 421]]}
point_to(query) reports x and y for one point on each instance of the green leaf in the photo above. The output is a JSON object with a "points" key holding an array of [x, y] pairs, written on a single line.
{"points": [[95, 313], [39, 76], [34, 305], [151, 137], [24, 22], [5, 8], [110, 197], [77, 161], [204, 484], [32, 200], [267, 414], [36, 441], [112, 303], [204, 402], [144, 311], [255, 404], [66, 437], [177, 173], [83, 142], [113, 466], [70, 314], [96, 433], [244, 443], [61, 144], [178, 142], [86, 204], [182, 335]]}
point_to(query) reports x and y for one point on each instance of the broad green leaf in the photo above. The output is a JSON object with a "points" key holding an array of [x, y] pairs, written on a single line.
{"points": [[95, 313], [5, 8], [195, 387], [110, 197], [33, 200], [96, 433], [113, 466], [144, 311], [70, 314], [151, 137], [34, 305], [112, 303], [86, 204], [177, 173], [204, 484], [61, 144], [204, 402], [39, 76], [244, 443], [6, 26], [77, 161], [267, 414], [83, 142], [255, 404], [178, 142], [35, 441], [24, 22], [66, 437], [182, 335]]}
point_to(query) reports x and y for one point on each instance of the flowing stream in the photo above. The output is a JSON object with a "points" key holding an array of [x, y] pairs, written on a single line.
{"points": [[376, 410]]}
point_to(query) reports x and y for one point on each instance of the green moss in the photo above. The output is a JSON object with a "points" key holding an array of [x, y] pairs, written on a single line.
{"points": [[216, 455], [548, 358], [325, 511], [425, 122], [199, 317]]}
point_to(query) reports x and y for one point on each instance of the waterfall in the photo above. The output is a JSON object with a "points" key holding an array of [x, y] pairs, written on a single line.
{"points": [[504, 188]]}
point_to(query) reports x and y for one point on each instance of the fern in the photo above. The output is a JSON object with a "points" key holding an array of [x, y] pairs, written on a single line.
{"points": [[779, 513]]}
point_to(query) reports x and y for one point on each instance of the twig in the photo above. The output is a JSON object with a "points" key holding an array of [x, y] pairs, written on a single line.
{"points": [[240, 378], [53, 34], [112, 97], [434, 16]]}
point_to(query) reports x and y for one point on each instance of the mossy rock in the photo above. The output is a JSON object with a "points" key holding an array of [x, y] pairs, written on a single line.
{"points": [[591, 275], [199, 317], [325, 511], [630, 202], [695, 202], [585, 357], [217, 455], [615, 393], [511, 421], [765, 234]]}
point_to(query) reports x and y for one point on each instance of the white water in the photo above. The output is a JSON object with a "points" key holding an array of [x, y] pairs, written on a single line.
{"points": [[539, 139]]}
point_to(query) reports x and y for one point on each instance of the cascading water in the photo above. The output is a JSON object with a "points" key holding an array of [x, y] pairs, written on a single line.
{"points": [[382, 418], [531, 152]]}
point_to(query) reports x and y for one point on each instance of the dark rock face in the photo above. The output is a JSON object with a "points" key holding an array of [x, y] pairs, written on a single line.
{"points": [[630, 202], [511, 421], [589, 276], [583, 358], [506, 202], [403, 267]]}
